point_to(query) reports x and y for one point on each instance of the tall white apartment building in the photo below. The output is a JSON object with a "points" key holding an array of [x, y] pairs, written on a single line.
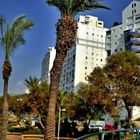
{"points": [[88, 53], [47, 64], [125, 36]]}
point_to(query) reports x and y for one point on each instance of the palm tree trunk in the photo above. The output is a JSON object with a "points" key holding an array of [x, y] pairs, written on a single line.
{"points": [[4, 112], [66, 34], [50, 123]]}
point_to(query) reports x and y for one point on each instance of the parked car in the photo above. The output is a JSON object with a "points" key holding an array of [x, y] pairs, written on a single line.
{"points": [[95, 128], [108, 127]]}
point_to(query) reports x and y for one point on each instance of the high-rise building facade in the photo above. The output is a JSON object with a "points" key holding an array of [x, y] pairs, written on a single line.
{"points": [[47, 64], [125, 36], [88, 53]]}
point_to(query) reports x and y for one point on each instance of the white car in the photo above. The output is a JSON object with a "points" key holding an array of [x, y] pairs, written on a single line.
{"points": [[95, 127]]}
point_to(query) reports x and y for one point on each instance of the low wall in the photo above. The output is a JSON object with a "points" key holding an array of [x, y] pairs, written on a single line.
{"points": [[14, 136], [32, 137], [17, 136]]}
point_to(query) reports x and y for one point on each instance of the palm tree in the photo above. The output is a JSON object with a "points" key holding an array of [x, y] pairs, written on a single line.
{"points": [[32, 84], [38, 97], [11, 38], [66, 28]]}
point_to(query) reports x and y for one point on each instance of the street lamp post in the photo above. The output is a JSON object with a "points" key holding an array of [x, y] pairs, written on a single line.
{"points": [[19, 100], [59, 121]]}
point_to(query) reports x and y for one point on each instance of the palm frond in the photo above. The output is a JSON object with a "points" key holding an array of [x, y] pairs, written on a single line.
{"points": [[72, 7], [2, 23], [13, 36], [32, 84]]}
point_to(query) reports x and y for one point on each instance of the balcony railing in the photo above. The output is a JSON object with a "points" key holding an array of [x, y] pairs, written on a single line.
{"points": [[135, 48], [132, 33]]}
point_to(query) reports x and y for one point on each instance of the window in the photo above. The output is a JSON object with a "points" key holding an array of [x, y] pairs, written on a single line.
{"points": [[133, 11], [130, 19], [129, 27], [86, 57], [113, 31], [85, 68], [134, 5], [137, 17], [137, 24], [100, 23], [108, 39]]}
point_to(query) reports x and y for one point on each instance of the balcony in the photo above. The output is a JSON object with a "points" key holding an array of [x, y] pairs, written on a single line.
{"points": [[130, 33], [134, 41], [135, 48]]}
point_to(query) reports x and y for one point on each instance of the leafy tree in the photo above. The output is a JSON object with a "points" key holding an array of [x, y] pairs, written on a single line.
{"points": [[89, 103], [70, 103], [100, 87], [119, 80], [123, 72], [91, 100], [66, 28], [16, 103], [11, 38]]}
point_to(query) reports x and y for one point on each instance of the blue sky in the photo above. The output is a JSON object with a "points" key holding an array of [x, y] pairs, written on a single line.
{"points": [[26, 60]]}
